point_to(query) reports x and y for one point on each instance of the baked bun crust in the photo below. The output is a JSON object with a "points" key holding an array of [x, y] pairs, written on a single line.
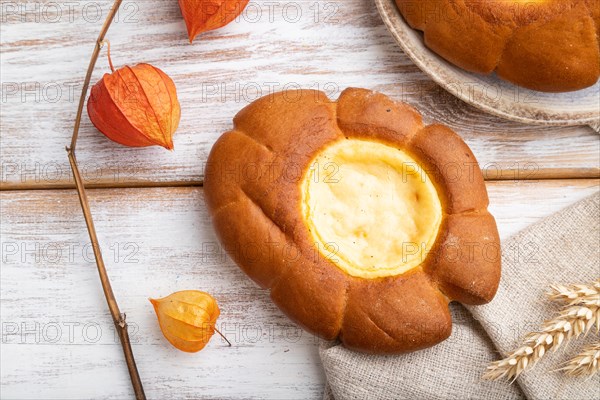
{"points": [[544, 45], [254, 183]]}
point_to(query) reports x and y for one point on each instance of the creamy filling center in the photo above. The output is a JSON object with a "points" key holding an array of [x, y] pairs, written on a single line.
{"points": [[370, 208]]}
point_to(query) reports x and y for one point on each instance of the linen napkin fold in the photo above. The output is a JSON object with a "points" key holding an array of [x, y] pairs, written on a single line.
{"points": [[563, 248]]}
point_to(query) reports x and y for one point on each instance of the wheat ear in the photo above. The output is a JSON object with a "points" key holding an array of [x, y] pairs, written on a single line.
{"points": [[576, 294], [571, 322], [587, 363]]}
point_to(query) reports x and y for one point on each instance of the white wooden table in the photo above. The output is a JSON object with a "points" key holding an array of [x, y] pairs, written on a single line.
{"points": [[148, 205]]}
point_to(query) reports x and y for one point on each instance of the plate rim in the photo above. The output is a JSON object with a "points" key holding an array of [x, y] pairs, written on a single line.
{"points": [[565, 119]]}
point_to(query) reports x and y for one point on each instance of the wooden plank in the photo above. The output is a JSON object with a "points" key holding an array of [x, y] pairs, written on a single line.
{"points": [[161, 244], [329, 46], [157, 241]]}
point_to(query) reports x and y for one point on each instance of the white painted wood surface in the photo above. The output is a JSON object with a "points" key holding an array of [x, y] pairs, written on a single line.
{"points": [[343, 44], [162, 236], [52, 304], [157, 240]]}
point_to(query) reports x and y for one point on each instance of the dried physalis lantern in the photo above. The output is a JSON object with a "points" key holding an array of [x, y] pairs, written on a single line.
{"points": [[187, 319], [135, 106], [207, 15]]}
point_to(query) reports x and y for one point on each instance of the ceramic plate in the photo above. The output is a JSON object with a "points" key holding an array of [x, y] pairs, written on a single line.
{"points": [[488, 92]]}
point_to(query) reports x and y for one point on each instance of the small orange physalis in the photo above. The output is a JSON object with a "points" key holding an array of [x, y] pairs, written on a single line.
{"points": [[207, 15], [135, 106], [187, 319]]}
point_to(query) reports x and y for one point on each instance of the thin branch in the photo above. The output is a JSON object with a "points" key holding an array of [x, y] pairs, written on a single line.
{"points": [[118, 318], [90, 70]]}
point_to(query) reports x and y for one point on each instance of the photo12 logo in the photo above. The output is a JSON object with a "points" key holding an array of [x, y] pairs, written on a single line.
{"points": [[39, 92], [60, 172], [247, 92], [61, 332], [292, 12], [41, 252], [52, 12]]}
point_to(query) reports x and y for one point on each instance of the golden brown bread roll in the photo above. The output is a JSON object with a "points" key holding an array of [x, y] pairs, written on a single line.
{"points": [[545, 45], [362, 222]]}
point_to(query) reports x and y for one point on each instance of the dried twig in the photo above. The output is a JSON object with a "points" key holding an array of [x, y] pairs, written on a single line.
{"points": [[118, 318], [573, 321], [587, 363]]}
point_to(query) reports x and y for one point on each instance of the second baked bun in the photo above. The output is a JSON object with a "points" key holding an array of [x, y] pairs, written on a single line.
{"points": [[544, 45]]}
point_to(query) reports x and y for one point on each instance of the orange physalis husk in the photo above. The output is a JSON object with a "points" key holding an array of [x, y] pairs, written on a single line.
{"points": [[207, 15], [187, 319], [136, 106]]}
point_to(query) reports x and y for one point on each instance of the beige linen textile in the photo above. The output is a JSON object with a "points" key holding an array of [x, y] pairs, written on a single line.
{"points": [[563, 248]]}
